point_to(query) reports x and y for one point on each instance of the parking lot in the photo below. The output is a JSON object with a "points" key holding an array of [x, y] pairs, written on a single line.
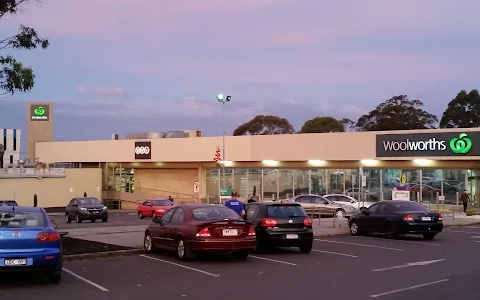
{"points": [[338, 267], [114, 219]]}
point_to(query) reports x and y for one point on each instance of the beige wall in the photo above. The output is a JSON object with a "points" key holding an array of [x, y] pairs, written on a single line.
{"points": [[53, 192], [347, 146], [38, 131]]}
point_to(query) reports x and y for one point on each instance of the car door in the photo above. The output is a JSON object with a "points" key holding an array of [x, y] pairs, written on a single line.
{"points": [[72, 208], [368, 219], [160, 230], [251, 212], [174, 227], [325, 207], [148, 209]]}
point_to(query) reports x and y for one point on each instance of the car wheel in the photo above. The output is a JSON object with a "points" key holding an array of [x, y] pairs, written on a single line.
{"points": [[140, 215], [354, 228], [153, 215], [391, 232], [340, 213], [240, 254], [105, 220], [148, 243], [183, 252], [67, 218], [55, 277], [429, 236], [306, 248], [77, 218]]}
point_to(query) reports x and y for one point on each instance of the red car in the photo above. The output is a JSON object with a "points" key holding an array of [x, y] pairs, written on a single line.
{"points": [[426, 189], [190, 229], [154, 207]]}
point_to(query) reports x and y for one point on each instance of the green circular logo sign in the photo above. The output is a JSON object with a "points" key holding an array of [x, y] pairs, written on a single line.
{"points": [[461, 145], [39, 111]]}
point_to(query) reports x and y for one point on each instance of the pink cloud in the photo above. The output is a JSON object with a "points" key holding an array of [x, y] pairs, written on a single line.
{"points": [[100, 91]]}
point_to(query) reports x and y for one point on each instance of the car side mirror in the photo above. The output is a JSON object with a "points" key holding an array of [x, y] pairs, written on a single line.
{"points": [[156, 219], [365, 212], [74, 205]]}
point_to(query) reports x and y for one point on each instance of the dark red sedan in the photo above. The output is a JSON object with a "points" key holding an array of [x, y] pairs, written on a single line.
{"points": [[190, 229]]}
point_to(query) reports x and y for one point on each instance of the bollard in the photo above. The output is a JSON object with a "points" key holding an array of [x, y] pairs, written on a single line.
{"points": [[319, 217], [334, 217], [438, 204], [457, 201]]}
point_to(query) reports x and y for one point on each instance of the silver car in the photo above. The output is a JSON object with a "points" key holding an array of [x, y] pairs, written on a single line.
{"points": [[347, 200], [325, 206]]}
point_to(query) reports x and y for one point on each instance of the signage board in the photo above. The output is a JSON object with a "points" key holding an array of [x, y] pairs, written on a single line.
{"points": [[143, 150], [40, 112], [226, 192], [457, 143], [401, 195]]}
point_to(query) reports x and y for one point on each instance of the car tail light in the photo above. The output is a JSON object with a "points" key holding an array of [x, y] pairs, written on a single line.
{"points": [[440, 217], [251, 231], [204, 233], [269, 222], [408, 218], [307, 222], [48, 237]]}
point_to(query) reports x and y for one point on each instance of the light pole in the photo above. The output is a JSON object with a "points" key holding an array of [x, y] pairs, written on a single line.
{"points": [[222, 99]]}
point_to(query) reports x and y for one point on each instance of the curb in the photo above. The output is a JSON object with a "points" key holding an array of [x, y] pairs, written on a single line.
{"points": [[103, 254], [462, 225]]}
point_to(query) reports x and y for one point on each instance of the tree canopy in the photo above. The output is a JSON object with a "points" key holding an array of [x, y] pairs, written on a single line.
{"points": [[323, 125], [265, 125], [397, 113], [14, 76], [463, 111]]}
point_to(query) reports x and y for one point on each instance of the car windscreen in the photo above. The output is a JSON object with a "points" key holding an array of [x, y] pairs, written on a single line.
{"points": [[161, 203], [8, 203], [285, 211], [214, 213], [22, 219], [407, 206], [88, 201]]}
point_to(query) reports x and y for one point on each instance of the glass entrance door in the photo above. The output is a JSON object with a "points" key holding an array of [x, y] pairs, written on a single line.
{"points": [[336, 182], [473, 187]]}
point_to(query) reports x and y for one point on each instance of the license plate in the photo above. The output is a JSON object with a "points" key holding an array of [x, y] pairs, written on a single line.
{"points": [[230, 232], [95, 212], [292, 236], [426, 218], [15, 262]]}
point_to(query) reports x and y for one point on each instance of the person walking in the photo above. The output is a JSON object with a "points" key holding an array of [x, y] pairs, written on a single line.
{"points": [[171, 199], [236, 205], [465, 198]]}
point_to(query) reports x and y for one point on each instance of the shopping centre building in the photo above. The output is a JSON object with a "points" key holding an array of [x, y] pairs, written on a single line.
{"points": [[272, 167]]}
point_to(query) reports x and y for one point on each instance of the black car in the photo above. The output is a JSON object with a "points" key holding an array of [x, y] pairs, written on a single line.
{"points": [[395, 218], [280, 225], [86, 208], [8, 203]]}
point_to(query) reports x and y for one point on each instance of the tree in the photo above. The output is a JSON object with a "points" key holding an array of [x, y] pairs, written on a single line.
{"points": [[397, 113], [14, 76], [322, 125], [265, 125], [463, 111]]}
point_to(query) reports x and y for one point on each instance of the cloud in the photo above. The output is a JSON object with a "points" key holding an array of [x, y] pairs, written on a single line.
{"points": [[100, 91]]}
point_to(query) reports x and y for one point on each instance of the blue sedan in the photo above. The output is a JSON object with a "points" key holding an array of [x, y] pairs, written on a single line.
{"points": [[28, 242]]}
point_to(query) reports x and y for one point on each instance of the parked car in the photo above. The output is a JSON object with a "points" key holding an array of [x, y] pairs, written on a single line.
{"points": [[393, 218], [28, 242], [189, 229], [154, 207], [326, 207], [8, 203], [347, 200], [280, 225], [352, 192], [426, 189], [86, 208]]}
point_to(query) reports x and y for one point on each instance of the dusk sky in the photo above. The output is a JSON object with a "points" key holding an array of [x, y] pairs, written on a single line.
{"points": [[120, 66]]}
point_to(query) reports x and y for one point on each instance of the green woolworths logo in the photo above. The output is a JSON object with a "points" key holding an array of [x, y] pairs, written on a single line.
{"points": [[461, 145], [39, 111]]}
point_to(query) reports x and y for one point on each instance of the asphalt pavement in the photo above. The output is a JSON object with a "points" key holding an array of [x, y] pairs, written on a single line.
{"points": [[342, 267], [114, 219]]}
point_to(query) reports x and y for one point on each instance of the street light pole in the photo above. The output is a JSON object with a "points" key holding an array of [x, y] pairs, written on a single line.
{"points": [[223, 100]]}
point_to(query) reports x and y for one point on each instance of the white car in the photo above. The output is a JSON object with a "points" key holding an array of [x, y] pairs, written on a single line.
{"points": [[345, 199]]}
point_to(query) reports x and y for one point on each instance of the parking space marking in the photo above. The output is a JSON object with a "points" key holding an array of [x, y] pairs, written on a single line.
{"points": [[86, 280], [361, 245], [411, 242], [462, 231], [273, 260], [409, 288], [181, 266], [411, 264], [335, 253]]}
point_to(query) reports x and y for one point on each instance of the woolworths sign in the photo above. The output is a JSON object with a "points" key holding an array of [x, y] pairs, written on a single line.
{"points": [[428, 144]]}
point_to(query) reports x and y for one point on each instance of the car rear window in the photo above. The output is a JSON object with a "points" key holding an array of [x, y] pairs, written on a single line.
{"points": [[214, 213], [22, 219], [285, 211], [88, 201], [161, 203], [408, 206], [8, 203]]}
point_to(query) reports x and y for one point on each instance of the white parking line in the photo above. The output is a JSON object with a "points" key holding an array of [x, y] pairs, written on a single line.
{"points": [[335, 253], [462, 231], [86, 280], [181, 266], [411, 242], [273, 260], [409, 288], [360, 245]]}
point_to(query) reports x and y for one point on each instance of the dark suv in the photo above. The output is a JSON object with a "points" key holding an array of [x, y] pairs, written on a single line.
{"points": [[86, 208]]}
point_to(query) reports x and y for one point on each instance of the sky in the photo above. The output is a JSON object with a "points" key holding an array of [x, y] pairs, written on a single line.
{"points": [[121, 66]]}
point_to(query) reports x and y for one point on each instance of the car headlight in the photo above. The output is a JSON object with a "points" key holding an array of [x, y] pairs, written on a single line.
{"points": [[83, 208], [103, 208]]}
